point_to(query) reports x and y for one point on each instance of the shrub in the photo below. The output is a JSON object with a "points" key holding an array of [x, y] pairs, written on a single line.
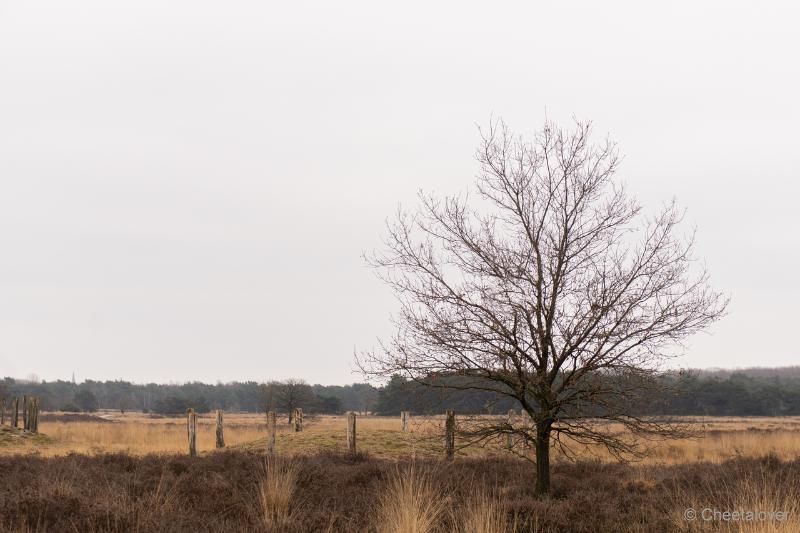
{"points": [[175, 405], [86, 401]]}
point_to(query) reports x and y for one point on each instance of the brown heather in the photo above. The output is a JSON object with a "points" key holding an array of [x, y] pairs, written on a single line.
{"points": [[131, 473], [234, 491]]}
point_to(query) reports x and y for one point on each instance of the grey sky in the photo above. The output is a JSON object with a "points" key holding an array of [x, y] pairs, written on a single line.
{"points": [[186, 186]]}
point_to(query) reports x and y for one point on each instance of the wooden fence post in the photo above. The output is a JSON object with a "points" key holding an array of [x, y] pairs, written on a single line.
{"points": [[25, 412], [30, 409], [404, 421], [2, 411], [450, 435], [510, 438], [31, 412], [351, 431], [35, 424], [271, 423], [525, 416], [220, 430], [15, 412], [191, 423], [298, 419]]}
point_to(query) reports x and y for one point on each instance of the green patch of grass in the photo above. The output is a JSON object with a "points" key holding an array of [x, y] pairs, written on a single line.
{"points": [[16, 437]]}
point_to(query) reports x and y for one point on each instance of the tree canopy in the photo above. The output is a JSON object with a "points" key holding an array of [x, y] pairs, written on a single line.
{"points": [[548, 287]]}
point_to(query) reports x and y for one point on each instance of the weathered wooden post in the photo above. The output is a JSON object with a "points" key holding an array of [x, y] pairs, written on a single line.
{"points": [[526, 443], [351, 431], [35, 416], [404, 415], [191, 422], [271, 428], [33, 402], [25, 412], [2, 411], [450, 435], [510, 438], [298, 419], [29, 413], [15, 412], [220, 430]]}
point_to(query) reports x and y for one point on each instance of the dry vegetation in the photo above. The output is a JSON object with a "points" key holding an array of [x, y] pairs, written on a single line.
{"points": [[231, 491], [130, 473], [137, 434], [722, 437], [277, 483], [410, 502]]}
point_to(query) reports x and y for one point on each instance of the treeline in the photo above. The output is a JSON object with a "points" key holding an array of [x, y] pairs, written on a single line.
{"points": [[761, 393], [247, 396], [750, 392]]}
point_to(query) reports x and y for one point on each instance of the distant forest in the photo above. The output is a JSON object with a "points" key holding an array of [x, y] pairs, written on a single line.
{"points": [[247, 396], [748, 392]]}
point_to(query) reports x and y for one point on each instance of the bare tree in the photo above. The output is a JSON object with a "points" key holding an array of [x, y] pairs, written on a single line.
{"points": [[557, 292], [293, 393]]}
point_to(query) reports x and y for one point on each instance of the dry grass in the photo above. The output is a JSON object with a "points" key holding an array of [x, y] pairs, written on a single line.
{"points": [[277, 484], [758, 491], [137, 434], [483, 513], [397, 484], [410, 503], [713, 446], [134, 437]]}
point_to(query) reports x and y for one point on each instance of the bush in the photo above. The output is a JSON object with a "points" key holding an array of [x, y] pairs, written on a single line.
{"points": [[175, 405], [70, 408], [86, 401]]}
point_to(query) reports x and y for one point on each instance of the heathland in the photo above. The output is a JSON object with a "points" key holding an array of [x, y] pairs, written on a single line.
{"points": [[130, 472]]}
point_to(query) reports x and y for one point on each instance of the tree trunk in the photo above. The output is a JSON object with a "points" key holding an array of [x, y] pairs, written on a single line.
{"points": [[542, 458]]}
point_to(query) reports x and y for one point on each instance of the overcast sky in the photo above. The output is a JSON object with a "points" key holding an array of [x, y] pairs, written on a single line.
{"points": [[186, 187]]}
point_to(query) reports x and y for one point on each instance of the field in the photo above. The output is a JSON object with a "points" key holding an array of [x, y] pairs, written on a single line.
{"points": [[115, 472], [721, 438]]}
